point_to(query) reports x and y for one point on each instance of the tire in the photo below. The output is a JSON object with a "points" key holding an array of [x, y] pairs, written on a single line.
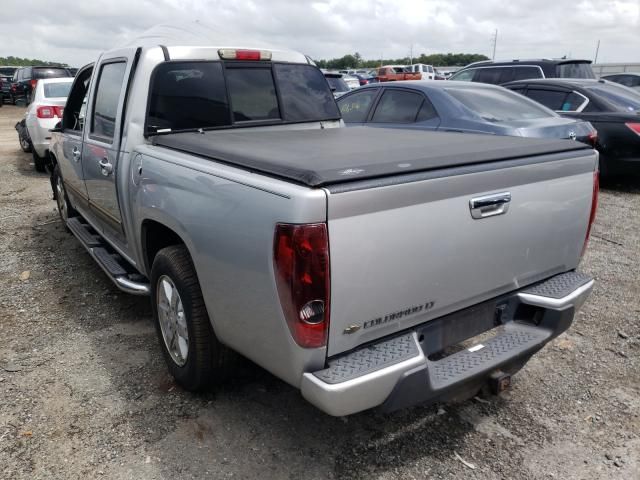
{"points": [[39, 162], [25, 144], [205, 361], [65, 210]]}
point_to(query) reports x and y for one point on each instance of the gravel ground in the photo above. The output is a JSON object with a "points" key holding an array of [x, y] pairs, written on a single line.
{"points": [[84, 392]]}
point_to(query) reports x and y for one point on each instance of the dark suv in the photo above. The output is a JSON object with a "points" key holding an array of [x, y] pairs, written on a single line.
{"points": [[25, 79], [498, 73]]}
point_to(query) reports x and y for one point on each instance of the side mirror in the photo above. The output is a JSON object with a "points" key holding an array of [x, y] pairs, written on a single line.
{"points": [[333, 89], [57, 127]]}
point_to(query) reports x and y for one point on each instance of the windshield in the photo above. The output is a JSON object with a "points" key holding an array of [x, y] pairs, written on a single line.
{"points": [[620, 97], [8, 71], [574, 70], [189, 95], [498, 105], [57, 90]]}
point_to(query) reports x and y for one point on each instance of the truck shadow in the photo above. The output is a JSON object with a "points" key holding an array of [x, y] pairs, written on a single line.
{"points": [[254, 426], [24, 164]]}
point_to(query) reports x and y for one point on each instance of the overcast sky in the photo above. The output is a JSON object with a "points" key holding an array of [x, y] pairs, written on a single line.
{"points": [[75, 31]]}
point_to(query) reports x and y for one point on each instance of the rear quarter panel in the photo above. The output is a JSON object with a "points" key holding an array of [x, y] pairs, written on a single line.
{"points": [[226, 217]]}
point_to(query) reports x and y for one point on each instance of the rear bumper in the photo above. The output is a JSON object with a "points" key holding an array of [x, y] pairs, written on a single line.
{"points": [[398, 372]]}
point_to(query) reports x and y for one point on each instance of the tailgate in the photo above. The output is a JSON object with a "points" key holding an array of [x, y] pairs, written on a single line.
{"points": [[405, 250]]}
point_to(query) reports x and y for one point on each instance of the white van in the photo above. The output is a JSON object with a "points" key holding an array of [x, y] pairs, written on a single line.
{"points": [[427, 71]]}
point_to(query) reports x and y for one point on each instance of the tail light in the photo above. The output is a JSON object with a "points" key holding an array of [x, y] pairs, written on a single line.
{"points": [[33, 83], [46, 111], [363, 81], [594, 207], [593, 138], [635, 127], [235, 54], [14, 87], [301, 264]]}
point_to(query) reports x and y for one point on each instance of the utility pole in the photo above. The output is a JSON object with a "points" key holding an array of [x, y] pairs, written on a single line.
{"points": [[411, 55], [595, 60], [495, 42]]}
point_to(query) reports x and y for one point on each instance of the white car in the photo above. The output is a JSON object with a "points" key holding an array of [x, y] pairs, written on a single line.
{"points": [[43, 113], [351, 81]]}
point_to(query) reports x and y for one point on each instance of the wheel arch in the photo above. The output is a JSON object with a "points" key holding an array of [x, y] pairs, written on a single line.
{"points": [[154, 236]]}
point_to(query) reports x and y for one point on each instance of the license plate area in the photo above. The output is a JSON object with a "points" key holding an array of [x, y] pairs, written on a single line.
{"points": [[451, 330]]}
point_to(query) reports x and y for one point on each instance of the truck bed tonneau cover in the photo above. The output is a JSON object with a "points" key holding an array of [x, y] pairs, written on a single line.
{"points": [[323, 157]]}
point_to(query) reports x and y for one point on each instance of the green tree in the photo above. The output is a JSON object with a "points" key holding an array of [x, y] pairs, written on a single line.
{"points": [[26, 62]]}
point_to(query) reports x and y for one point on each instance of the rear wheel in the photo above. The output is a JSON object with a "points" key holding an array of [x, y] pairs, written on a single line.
{"points": [[25, 144], [193, 354], [65, 210]]}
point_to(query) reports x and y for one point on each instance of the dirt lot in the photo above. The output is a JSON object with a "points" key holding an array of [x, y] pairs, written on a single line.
{"points": [[84, 392]]}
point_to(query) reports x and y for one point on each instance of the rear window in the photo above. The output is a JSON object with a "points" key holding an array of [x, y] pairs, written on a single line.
{"points": [[252, 92], [337, 84], [189, 95], [304, 93], [618, 96], [50, 73], [55, 90], [498, 105], [574, 70]]}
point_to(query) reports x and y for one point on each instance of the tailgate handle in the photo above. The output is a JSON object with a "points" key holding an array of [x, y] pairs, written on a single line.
{"points": [[490, 205]]}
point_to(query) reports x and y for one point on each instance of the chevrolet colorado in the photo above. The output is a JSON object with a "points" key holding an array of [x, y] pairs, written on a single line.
{"points": [[366, 267]]}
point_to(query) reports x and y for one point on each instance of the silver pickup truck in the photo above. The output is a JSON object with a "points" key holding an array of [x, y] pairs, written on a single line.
{"points": [[366, 267]]}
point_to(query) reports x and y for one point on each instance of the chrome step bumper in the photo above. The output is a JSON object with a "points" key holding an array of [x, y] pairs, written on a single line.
{"points": [[397, 372]]}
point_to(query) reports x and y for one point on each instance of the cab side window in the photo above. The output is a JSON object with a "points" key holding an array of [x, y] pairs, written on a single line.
{"points": [[107, 100]]}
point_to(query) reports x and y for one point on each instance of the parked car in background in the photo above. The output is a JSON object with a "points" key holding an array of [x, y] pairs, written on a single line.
{"points": [[630, 79], [365, 79], [352, 81], [497, 73], [427, 72], [459, 107], [614, 110], [5, 88], [25, 79], [44, 112], [72, 70], [395, 73], [8, 71], [336, 83], [444, 73]]}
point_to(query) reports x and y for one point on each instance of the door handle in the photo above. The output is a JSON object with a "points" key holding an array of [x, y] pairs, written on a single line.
{"points": [[490, 205], [76, 153], [105, 167]]}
